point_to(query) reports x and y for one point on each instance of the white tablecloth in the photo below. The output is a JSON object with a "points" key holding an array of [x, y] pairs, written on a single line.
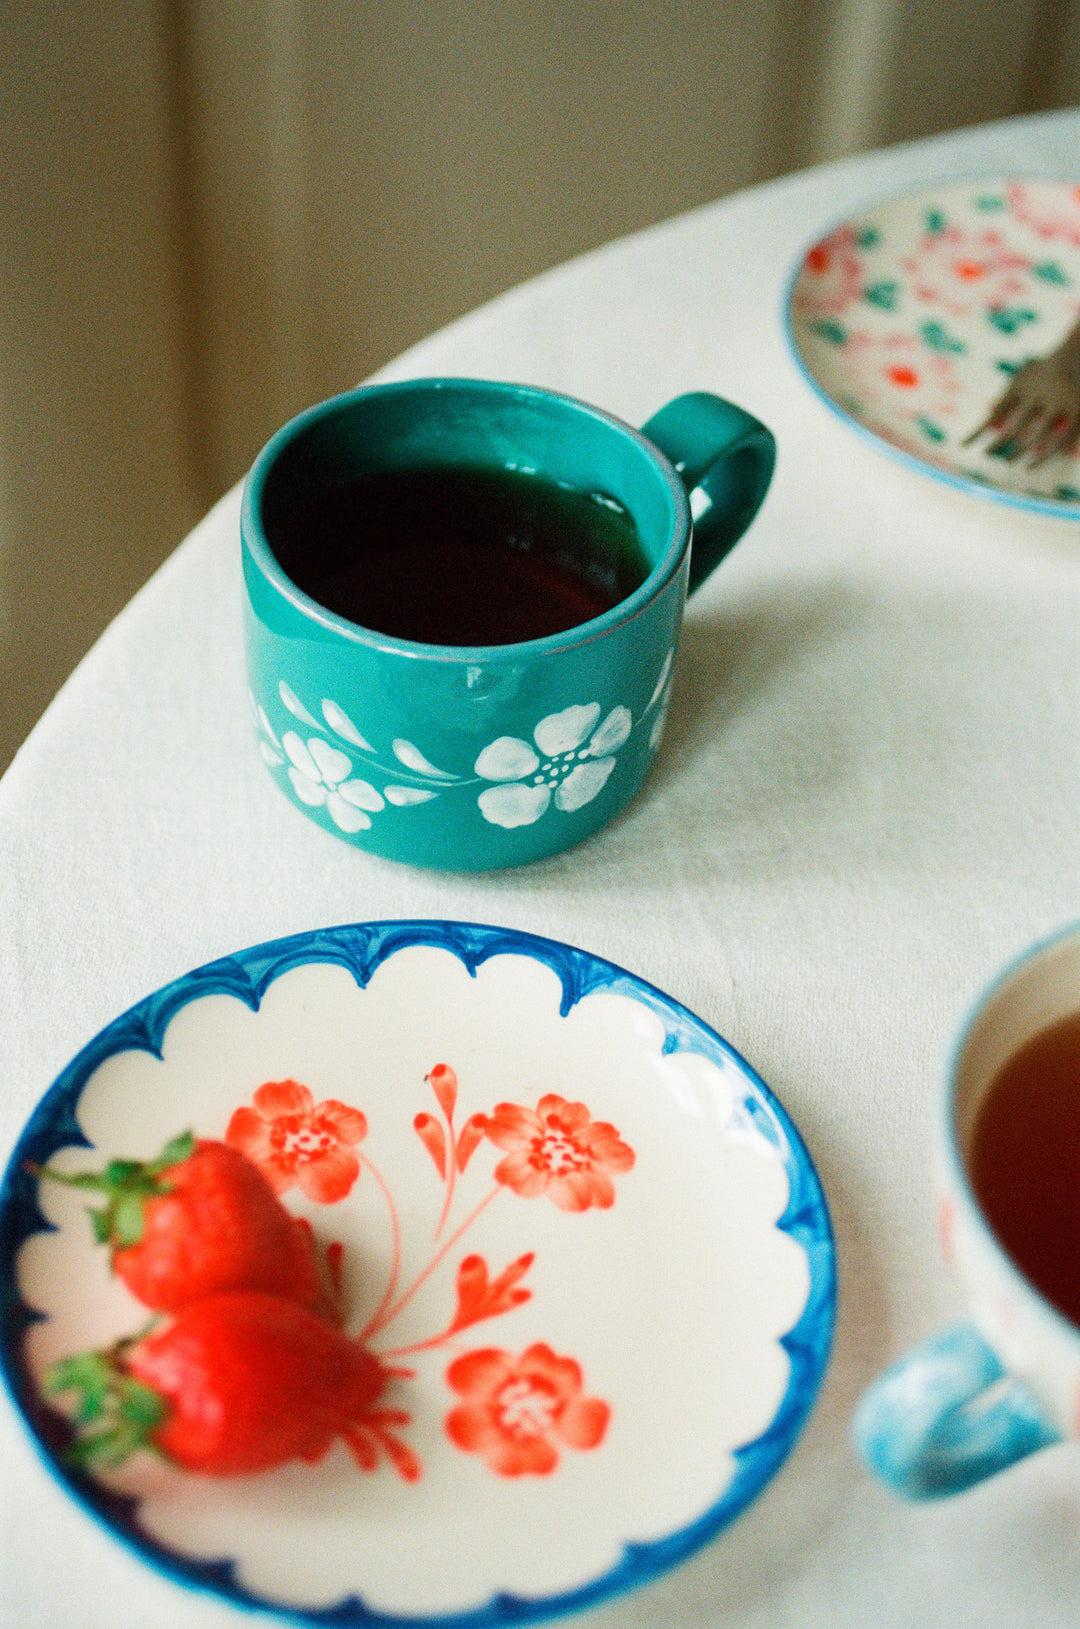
{"points": [[868, 797]]}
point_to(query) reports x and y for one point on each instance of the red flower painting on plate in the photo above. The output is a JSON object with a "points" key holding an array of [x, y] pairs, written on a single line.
{"points": [[517, 1411], [293, 1139], [557, 1150]]}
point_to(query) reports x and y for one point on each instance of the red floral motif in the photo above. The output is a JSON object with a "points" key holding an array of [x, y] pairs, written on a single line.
{"points": [[836, 267], [376, 1436], [444, 1083], [1046, 218], [479, 1296], [899, 381], [556, 1149], [517, 1412], [962, 270], [293, 1139]]}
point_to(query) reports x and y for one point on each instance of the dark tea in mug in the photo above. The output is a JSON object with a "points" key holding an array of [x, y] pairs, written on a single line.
{"points": [[460, 556], [1024, 1161]]}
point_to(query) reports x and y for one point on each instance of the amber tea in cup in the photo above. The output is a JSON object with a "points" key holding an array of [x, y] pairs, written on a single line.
{"points": [[460, 556], [1024, 1161], [1003, 1382]]}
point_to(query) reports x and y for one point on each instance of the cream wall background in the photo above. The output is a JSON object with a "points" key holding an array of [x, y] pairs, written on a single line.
{"points": [[213, 212]]}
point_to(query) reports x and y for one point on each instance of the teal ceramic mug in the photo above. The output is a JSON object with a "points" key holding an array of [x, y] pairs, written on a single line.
{"points": [[473, 756]]}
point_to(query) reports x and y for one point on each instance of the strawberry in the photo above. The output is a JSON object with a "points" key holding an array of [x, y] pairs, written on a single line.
{"points": [[199, 1219], [234, 1384]]}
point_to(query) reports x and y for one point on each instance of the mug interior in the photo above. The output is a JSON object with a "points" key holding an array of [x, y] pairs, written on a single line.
{"points": [[431, 424], [1035, 993], [1019, 1245]]}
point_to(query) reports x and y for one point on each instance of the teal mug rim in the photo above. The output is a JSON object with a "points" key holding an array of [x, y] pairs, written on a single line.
{"points": [[667, 565]]}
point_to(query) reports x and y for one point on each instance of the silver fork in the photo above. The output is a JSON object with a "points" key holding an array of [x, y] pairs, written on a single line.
{"points": [[1038, 414]]}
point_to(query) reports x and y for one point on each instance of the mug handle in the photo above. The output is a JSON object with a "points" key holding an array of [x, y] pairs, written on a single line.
{"points": [[725, 454], [928, 1426]]}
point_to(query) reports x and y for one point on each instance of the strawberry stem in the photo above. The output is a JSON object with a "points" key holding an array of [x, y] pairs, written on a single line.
{"points": [[127, 1185], [114, 1414]]}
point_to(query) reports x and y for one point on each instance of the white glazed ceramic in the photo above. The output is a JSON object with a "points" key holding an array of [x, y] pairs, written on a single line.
{"points": [[980, 1396], [910, 317], [639, 1259]]}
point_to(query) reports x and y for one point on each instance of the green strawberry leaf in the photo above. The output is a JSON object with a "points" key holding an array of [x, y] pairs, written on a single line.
{"points": [[127, 1219], [90, 1375], [126, 1186], [122, 1413], [119, 1172], [175, 1152]]}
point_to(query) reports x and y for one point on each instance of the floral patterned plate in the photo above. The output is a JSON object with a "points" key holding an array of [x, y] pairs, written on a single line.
{"points": [[580, 1237], [910, 317]]}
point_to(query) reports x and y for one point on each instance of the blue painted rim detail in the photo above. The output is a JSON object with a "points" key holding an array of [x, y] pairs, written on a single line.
{"points": [[361, 948]]}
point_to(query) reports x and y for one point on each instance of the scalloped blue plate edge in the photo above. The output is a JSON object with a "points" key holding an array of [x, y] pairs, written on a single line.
{"points": [[361, 948]]}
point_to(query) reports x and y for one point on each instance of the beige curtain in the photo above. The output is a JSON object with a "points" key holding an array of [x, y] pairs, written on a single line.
{"points": [[215, 211]]}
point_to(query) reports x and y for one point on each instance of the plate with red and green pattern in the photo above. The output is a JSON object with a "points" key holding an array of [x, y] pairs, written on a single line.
{"points": [[413, 1273], [910, 316]]}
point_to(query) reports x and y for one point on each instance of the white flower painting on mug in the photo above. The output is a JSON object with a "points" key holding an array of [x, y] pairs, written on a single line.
{"points": [[567, 762], [322, 774]]}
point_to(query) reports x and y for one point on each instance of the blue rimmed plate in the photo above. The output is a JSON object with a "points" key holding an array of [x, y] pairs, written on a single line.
{"points": [[910, 317], [582, 1237]]}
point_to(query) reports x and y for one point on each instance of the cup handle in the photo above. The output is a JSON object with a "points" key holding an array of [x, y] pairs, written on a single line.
{"points": [[723, 453], [946, 1416]]}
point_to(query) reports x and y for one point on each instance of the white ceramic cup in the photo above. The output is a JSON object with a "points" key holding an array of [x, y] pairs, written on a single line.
{"points": [[990, 1390]]}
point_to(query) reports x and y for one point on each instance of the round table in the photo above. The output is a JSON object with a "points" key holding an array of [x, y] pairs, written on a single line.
{"points": [[866, 800]]}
